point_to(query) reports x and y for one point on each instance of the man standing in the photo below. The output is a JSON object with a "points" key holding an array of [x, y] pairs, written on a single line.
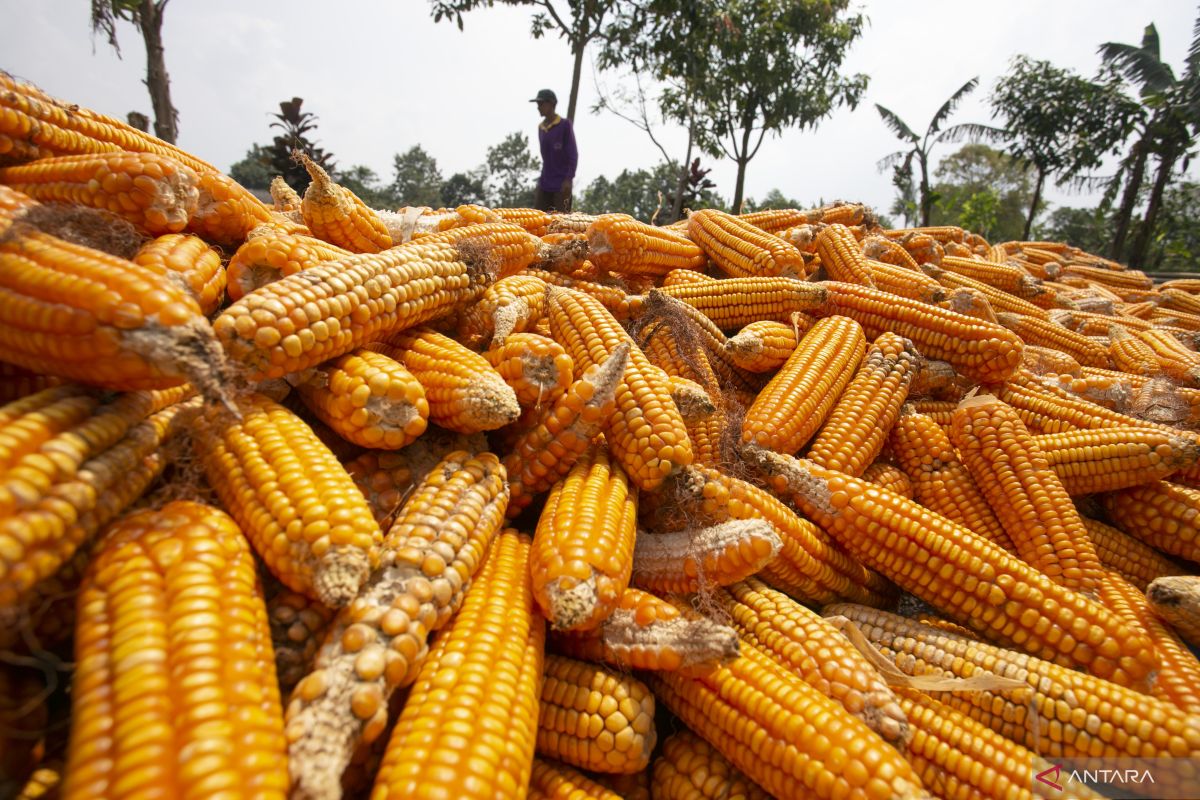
{"points": [[559, 156]]}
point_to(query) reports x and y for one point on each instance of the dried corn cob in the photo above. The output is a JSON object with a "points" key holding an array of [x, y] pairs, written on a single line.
{"points": [[880, 248], [1045, 360], [1138, 563], [469, 726], [969, 303], [736, 302], [698, 559], [593, 718], [842, 256], [1130, 354], [274, 255], [226, 212], [551, 780], [283, 195], [537, 222], [619, 243], [192, 263], [1176, 360], [1107, 459], [1005, 277], [1161, 514], [763, 346], [174, 593], [998, 299], [688, 768], [1048, 334], [512, 304], [740, 249], [378, 642], [889, 476], [335, 214], [682, 277], [906, 283], [692, 400], [938, 380], [537, 368], [613, 296], [298, 626], [1176, 600], [1118, 279]]}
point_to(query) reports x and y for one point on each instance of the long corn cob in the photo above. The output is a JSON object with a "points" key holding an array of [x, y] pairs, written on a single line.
{"points": [[740, 249], [173, 611], [699, 559], [1048, 334], [1137, 562], [620, 243], [736, 302], [273, 255], [1161, 514], [998, 299], [688, 768], [1107, 459], [1130, 354], [335, 214], [906, 283], [1176, 360], [1176, 600], [613, 295], [842, 256]]}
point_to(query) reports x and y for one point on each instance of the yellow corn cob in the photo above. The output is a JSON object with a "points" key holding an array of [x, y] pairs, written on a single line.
{"points": [[1175, 360], [155, 193], [889, 476], [969, 303], [1190, 285], [646, 432], [782, 732], [539, 223], [1176, 600], [378, 642], [613, 294], [283, 195], [1171, 298], [975, 582], [763, 346], [683, 277], [1064, 712], [538, 369], [508, 248], [465, 394], [862, 418], [980, 351], [880, 248], [938, 380], [740, 249], [773, 220], [583, 548], [470, 723], [1048, 334], [698, 559], [1004, 277], [1117, 279], [294, 501], [192, 263], [790, 409], [510, 305], [736, 302], [298, 626], [1107, 459], [688, 768], [593, 718], [335, 214], [1161, 514], [943, 234], [173, 608], [906, 282], [646, 632], [551, 780], [226, 212], [998, 299], [544, 454], [1138, 563], [273, 255], [1042, 360], [619, 243], [842, 256], [812, 649]]}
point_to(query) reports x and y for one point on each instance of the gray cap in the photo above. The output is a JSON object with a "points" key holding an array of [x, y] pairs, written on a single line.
{"points": [[545, 96]]}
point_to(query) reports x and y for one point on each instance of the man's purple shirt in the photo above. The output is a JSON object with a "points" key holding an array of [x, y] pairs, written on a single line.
{"points": [[559, 156]]}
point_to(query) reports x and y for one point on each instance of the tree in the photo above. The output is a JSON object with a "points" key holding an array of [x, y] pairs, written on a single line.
{"points": [[254, 171], [418, 181], [772, 199], [918, 147], [512, 172], [905, 204], [147, 17], [1176, 245], [296, 127], [1086, 228], [1058, 122], [968, 177], [1174, 116], [463, 188], [365, 183], [577, 21], [641, 193]]}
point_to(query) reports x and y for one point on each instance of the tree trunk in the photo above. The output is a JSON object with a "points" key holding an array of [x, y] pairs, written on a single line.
{"points": [[1141, 244], [742, 160], [157, 81], [681, 188], [1033, 207], [926, 194], [578, 45], [1129, 199]]}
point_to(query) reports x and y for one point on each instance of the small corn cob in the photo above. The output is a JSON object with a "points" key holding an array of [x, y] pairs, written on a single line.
{"points": [[335, 214], [298, 626], [470, 723], [155, 193], [1048, 334], [1005, 277], [593, 718], [510, 305], [274, 255], [811, 648], [938, 380], [889, 476], [842, 256], [683, 277], [998, 299], [612, 296], [859, 423], [1045, 360], [1162, 514], [1130, 354], [192, 263], [790, 409], [1176, 600], [537, 368], [619, 243], [698, 559], [1108, 459], [283, 195], [692, 400], [646, 433], [941, 482], [583, 548], [1138, 563], [980, 351], [975, 582], [368, 399], [647, 632], [969, 303], [294, 501], [906, 283], [688, 768], [1116, 279], [539, 223], [550, 780], [740, 249], [734, 303], [378, 642], [227, 212], [173, 608], [763, 346], [1176, 360], [782, 732], [880, 248]]}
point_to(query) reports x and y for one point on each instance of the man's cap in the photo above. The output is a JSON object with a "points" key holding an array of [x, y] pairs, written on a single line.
{"points": [[545, 96]]}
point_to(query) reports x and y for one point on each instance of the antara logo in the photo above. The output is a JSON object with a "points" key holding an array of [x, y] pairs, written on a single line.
{"points": [[1053, 775], [1056, 771]]}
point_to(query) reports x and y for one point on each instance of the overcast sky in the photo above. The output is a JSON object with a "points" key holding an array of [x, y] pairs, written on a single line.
{"points": [[381, 76]]}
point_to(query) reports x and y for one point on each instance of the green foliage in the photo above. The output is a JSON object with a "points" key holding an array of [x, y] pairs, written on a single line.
{"points": [[417, 181], [773, 199], [365, 183], [996, 186], [641, 193], [464, 188], [512, 172], [254, 171], [1086, 228], [980, 213], [1175, 245], [296, 128]]}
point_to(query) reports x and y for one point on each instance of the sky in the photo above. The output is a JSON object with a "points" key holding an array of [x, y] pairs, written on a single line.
{"points": [[381, 76]]}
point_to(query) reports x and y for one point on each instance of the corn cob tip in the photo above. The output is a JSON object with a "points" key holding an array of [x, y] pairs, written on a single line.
{"points": [[191, 350], [571, 607], [340, 574], [562, 256]]}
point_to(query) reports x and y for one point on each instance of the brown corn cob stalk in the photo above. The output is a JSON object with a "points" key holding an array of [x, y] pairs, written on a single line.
{"points": [[1138, 563], [809, 647], [692, 400], [1048, 334], [482, 740], [368, 398], [1176, 600], [888, 476], [763, 346], [283, 195], [842, 256], [1108, 459], [510, 305], [688, 768], [728, 706], [592, 718], [740, 249], [862, 418], [334, 213], [1025, 492], [993, 595], [274, 255], [1045, 360], [1064, 712], [552, 780], [647, 632], [162, 582], [940, 481], [538, 369], [646, 433], [298, 626], [1161, 514], [734, 303], [192, 263], [980, 351], [294, 501], [790, 409], [226, 212], [620, 243], [699, 559], [549, 449], [378, 642]]}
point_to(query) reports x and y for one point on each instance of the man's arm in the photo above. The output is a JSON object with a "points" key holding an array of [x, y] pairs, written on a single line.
{"points": [[572, 152]]}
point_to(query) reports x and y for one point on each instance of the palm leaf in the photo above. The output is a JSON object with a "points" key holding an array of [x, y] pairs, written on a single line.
{"points": [[1139, 66], [972, 131], [948, 107], [897, 125], [892, 159]]}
